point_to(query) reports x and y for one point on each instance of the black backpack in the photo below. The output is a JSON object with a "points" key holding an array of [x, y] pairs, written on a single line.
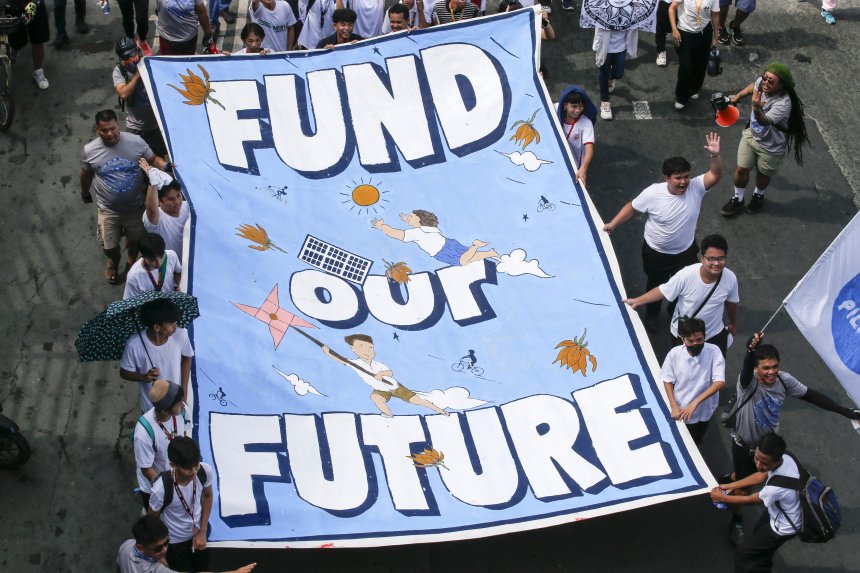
{"points": [[820, 516], [167, 482]]}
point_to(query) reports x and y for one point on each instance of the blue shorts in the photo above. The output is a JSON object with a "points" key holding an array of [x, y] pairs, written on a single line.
{"points": [[451, 252], [747, 6]]}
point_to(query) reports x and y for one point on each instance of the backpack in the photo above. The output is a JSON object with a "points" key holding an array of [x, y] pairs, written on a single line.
{"points": [[820, 516], [148, 427], [167, 482]]}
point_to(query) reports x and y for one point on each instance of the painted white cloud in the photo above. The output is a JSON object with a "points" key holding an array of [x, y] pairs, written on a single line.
{"points": [[301, 387], [515, 264], [455, 397], [528, 160]]}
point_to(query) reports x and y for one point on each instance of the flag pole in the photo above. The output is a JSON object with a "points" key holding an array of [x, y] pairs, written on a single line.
{"points": [[772, 317], [338, 356]]}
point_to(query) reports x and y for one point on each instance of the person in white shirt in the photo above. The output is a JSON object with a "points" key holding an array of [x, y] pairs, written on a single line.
{"points": [[396, 19], [578, 130], [419, 15], [278, 21], [166, 211], [318, 22], [704, 290], [783, 504], [158, 269], [672, 210], [369, 16], [693, 375], [693, 23], [183, 498], [377, 375]]}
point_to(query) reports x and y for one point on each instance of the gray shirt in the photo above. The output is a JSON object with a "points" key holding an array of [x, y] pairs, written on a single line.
{"points": [[777, 108], [130, 561], [138, 109], [119, 184], [760, 415], [177, 19]]}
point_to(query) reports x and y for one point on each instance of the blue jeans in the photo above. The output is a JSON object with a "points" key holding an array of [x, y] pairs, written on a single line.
{"points": [[215, 7], [612, 69]]}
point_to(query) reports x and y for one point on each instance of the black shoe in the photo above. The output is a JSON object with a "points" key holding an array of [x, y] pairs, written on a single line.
{"points": [[725, 478], [81, 26], [62, 42], [229, 17], [568, 5], [736, 532], [737, 36], [756, 204], [732, 208], [724, 37]]}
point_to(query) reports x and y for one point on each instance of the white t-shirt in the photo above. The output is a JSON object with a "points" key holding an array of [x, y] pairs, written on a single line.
{"points": [[618, 41], [179, 524], [275, 22], [413, 20], [141, 280], [671, 224], [695, 16], [789, 499], [148, 456], [170, 228], [167, 358], [370, 13], [692, 375], [317, 22], [579, 134], [375, 367], [688, 287], [429, 239]]}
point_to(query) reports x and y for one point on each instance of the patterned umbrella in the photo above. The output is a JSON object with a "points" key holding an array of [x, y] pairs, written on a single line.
{"points": [[104, 337]]}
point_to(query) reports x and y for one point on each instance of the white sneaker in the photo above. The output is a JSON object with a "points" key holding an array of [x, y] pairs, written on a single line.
{"points": [[605, 110], [41, 80], [694, 96], [679, 105], [661, 60], [611, 86]]}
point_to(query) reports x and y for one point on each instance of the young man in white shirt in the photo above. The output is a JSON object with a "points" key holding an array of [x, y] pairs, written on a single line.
{"points": [[418, 15], [183, 498], [155, 430], [166, 212], [277, 17], [158, 269], [693, 374], [672, 210], [160, 351], [783, 505]]}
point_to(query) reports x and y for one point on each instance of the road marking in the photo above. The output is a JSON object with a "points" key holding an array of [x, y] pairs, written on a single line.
{"points": [[641, 110]]}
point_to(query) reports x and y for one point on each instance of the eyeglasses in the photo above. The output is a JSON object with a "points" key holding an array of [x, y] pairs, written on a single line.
{"points": [[160, 547], [720, 260]]}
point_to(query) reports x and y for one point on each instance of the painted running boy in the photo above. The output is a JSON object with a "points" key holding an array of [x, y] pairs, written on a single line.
{"points": [[424, 231]]}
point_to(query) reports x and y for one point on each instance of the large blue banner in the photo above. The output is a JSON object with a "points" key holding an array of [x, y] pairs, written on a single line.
{"points": [[411, 327]]}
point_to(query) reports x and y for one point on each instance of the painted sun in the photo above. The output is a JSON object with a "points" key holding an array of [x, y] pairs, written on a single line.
{"points": [[365, 196]]}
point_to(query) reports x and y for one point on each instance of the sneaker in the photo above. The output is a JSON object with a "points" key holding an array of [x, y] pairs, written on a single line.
{"points": [[736, 533], [229, 17], [62, 42], [695, 96], [725, 478], [81, 26], [732, 208], [737, 36], [144, 46], [605, 110], [661, 60], [756, 203], [723, 36], [41, 80], [568, 5], [679, 105], [611, 86], [828, 17]]}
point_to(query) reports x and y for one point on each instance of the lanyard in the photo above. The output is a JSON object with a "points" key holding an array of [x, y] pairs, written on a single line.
{"points": [[463, 11], [572, 126], [162, 271], [167, 433], [178, 491], [698, 8]]}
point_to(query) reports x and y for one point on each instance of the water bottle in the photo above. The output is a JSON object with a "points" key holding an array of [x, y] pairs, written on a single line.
{"points": [[105, 4]]}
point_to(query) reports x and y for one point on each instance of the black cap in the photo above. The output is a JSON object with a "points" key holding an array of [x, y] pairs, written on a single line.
{"points": [[125, 47]]}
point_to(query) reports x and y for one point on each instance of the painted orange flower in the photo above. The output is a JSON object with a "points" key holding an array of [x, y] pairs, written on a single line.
{"points": [[257, 235], [197, 90], [397, 272], [428, 458], [575, 356], [526, 132]]}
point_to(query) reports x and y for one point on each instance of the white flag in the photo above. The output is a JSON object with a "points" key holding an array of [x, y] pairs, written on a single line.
{"points": [[825, 305]]}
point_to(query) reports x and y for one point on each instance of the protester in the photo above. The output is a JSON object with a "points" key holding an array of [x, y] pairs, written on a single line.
{"points": [[693, 23], [316, 17], [419, 15], [166, 212], [397, 19], [761, 392], [109, 165], [160, 351], [672, 210], [344, 22], [663, 28], [62, 40], [154, 431], [157, 269], [702, 290], [369, 16], [577, 115], [140, 117], [177, 27], [693, 374], [776, 525], [743, 9], [36, 32], [611, 48], [447, 11], [279, 22], [182, 497], [145, 552], [776, 124], [135, 13], [253, 36]]}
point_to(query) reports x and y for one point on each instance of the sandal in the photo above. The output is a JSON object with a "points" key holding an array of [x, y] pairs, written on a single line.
{"points": [[111, 273]]}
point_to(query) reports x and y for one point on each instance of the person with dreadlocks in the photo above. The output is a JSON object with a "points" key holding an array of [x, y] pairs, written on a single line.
{"points": [[775, 126]]}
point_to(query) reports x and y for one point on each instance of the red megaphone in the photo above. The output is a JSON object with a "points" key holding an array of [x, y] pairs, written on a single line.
{"points": [[727, 116]]}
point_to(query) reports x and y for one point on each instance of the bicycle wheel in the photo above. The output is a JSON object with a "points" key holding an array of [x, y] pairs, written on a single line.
{"points": [[457, 367], [14, 451], [550, 207], [477, 371], [7, 95]]}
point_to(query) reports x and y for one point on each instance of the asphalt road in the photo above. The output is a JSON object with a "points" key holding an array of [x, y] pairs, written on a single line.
{"points": [[71, 506]]}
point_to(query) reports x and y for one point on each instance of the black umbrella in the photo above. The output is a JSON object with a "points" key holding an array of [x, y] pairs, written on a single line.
{"points": [[104, 337]]}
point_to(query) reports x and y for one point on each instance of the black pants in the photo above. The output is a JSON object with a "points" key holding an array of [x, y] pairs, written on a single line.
{"points": [[135, 11], [663, 25], [755, 554], [154, 140], [60, 14], [181, 558], [743, 460], [692, 62], [659, 268], [144, 499], [697, 431]]}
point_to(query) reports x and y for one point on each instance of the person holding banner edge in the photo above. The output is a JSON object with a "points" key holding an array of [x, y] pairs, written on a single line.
{"points": [[761, 392]]}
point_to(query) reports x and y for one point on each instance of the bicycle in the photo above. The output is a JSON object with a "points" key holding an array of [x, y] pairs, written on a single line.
{"points": [[8, 24], [544, 204], [220, 396], [464, 365]]}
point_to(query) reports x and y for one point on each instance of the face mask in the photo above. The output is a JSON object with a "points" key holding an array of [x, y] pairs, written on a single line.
{"points": [[130, 67], [695, 349]]}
